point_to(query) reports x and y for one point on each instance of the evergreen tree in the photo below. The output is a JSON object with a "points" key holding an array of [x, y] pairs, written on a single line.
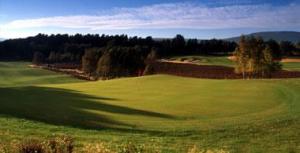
{"points": [[287, 47], [89, 60], [275, 49], [38, 58], [269, 65], [178, 44]]}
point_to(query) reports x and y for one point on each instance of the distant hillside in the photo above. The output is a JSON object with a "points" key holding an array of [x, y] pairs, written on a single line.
{"points": [[2, 39], [278, 36]]}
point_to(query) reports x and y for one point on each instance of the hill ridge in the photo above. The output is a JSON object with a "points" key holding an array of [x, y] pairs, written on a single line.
{"points": [[293, 36]]}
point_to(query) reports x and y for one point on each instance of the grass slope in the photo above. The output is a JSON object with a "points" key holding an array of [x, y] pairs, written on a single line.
{"points": [[20, 74], [166, 112]]}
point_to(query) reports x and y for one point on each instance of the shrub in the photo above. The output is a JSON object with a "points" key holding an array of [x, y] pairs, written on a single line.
{"points": [[63, 144], [31, 146]]}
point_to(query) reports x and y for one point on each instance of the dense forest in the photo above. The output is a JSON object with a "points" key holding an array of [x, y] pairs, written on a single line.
{"points": [[119, 55], [63, 47]]}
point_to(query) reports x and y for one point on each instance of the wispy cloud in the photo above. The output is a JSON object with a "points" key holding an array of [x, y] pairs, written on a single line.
{"points": [[174, 15]]}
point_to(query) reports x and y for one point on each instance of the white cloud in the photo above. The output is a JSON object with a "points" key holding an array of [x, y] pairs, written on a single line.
{"points": [[172, 15]]}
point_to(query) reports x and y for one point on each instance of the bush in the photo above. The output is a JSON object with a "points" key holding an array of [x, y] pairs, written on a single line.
{"points": [[31, 146], [63, 144], [8, 148]]}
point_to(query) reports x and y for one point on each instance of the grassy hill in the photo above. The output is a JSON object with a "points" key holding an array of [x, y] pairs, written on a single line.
{"points": [[278, 36], [164, 112], [20, 74]]}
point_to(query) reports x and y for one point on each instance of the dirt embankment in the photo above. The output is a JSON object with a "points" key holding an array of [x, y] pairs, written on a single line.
{"points": [[209, 71], [171, 68], [66, 68]]}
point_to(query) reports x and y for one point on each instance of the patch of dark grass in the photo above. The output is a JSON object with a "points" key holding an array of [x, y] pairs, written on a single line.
{"points": [[66, 107], [31, 146], [61, 144]]}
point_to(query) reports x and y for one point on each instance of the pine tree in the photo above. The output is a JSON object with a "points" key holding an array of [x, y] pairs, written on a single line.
{"points": [[89, 60], [38, 58]]}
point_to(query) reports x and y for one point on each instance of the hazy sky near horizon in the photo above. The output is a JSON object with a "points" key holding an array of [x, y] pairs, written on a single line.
{"points": [[203, 19]]}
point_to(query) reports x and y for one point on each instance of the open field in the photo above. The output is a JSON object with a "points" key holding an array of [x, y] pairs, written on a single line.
{"points": [[291, 64], [20, 74], [164, 112]]}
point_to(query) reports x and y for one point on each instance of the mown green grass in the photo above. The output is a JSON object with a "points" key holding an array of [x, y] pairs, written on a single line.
{"points": [[20, 74], [224, 61], [292, 66], [166, 112]]}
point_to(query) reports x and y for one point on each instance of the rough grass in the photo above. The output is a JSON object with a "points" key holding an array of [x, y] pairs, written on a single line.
{"points": [[167, 113]]}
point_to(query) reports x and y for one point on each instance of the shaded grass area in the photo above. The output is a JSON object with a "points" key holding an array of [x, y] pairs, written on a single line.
{"points": [[168, 112], [64, 107]]}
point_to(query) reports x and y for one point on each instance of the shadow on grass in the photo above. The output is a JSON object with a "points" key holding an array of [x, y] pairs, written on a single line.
{"points": [[67, 107]]}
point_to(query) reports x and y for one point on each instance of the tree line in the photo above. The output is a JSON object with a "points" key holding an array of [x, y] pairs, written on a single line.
{"points": [[70, 48], [120, 55], [107, 56], [115, 61]]}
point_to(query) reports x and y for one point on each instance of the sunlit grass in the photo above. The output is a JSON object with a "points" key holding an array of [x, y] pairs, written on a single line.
{"points": [[168, 112]]}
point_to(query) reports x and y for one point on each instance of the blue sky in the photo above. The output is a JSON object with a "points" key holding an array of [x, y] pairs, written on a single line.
{"points": [[203, 19]]}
